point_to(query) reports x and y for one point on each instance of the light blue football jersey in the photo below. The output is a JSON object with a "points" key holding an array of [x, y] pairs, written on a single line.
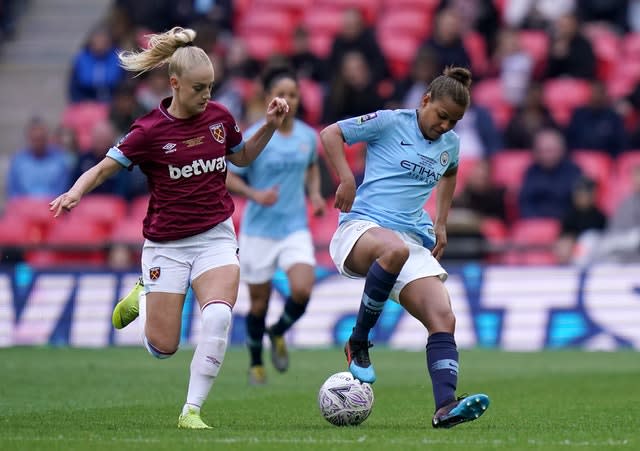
{"points": [[282, 163], [402, 168]]}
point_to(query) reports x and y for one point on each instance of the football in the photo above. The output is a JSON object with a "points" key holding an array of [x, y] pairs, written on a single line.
{"points": [[345, 401]]}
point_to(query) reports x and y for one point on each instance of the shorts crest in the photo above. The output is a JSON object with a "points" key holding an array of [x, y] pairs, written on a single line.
{"points": [[218, 133], [154, 273]]}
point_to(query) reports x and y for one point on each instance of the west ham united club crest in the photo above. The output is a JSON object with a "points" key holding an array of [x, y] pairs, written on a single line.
{"points": [[154, 273], [217, 131]]}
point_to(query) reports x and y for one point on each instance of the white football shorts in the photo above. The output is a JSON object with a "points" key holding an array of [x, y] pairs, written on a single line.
{"points": [[421, 263], [261, 257], [170, 266]]}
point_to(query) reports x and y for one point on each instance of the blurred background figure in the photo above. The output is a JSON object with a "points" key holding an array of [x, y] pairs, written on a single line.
{"points": [[304, 62], [355, 36], [479, 136], [153, 87], [40, 168], [408, 91], [597, 125], [549, 181], [582, 224], [570, 53], [103, 137], [535, 14], [530, 118], [513, 66], [353, 91], [621, 241], [125, 107], [95, 73], [446, 41]]}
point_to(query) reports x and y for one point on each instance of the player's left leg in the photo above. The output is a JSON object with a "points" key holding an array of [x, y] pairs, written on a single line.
{"points": [[127, 308], [216, 291], [428, 301], [301, 278]]}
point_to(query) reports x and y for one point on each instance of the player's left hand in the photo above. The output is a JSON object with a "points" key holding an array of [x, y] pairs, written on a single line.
{"points": [[441, 241], [277, 111], [318, 204]]}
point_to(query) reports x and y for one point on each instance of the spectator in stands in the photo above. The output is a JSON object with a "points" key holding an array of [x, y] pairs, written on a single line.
{"points": [[40, 169], [66, 139], [476, 15], [352, 92], [513, 66], [528, 120], [225, 90], [633, 16], [125, 108], [570, 53], [597, 125], [535, 14], [157, 15], [621, 241], [103, 137], [446, 41], [581, 224], [7, 19], [355, 36], [122, 29], [479, 200], [408, 91], [304, 61], [479, 136], [214, 13], [95, 73], [152, 89], [238, 61], [549, 181], [612, 12]]}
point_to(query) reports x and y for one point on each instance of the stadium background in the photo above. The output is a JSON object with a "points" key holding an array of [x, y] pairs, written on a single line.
{"points": [[510, 286]]}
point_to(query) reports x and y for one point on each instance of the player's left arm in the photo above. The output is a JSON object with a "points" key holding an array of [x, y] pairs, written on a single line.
{"points": [[313, 189], [276, 112], [446, 188]]}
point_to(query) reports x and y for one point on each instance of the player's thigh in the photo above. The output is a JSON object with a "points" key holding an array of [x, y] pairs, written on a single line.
{"points": [[164, 320], [427, 300], [370, 246], [217, 284]]}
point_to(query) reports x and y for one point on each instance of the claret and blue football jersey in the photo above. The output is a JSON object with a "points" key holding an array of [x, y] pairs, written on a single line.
{"points": [[402, 168]]}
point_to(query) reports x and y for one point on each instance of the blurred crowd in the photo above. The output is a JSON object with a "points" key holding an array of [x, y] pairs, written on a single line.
{"points": [[550, 146]]}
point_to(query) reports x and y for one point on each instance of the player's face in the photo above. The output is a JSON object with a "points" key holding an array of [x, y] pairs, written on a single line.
{"points": [[438, 116], [286, 88], [193, 89]]}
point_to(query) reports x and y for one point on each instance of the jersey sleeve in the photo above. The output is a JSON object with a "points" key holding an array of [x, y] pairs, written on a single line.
{"points": [[235, 142], [366, 128], [132, 148], [455, 155]]}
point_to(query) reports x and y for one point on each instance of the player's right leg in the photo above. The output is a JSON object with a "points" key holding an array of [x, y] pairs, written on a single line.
{"points": [[127, 308], [378, 254]]}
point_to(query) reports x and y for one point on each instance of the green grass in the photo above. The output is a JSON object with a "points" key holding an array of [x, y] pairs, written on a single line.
{"points": [[70, 399]]}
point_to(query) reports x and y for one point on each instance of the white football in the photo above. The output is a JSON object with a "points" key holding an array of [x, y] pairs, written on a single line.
{"points": [[345, 401]]}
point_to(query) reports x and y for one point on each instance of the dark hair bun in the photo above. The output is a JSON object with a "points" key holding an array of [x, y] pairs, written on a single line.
{"points": [[274, 73], [460, 74]]}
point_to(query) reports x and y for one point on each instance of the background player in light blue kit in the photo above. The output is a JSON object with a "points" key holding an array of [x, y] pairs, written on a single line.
{"points": [[274, 231], [386, 236]]}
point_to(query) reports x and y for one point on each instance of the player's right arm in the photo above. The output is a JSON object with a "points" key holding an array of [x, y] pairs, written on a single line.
{"points": [[333, 142], [86, 182]]}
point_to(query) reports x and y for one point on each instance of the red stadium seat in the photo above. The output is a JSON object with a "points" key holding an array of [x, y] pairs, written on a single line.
{"points": [[102, 209], [31, 210], [399, 51], [489, 93], [428, 6], [465, 166], [81, 117], [138, 208], [266, 22], [532, 241], [622, 182], [509, 166], [476, 47], [597, 165], [18, 231], [563, 95], [312, 99], [606, 46], [72, 242], [127, 231], [320, 44], [322, 20], [536, 44], [631, 45], [369, 8], [262, 46], [406, 21]]}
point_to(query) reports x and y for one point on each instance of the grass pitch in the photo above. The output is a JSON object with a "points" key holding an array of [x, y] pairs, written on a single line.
{"points": [[108, 399]]}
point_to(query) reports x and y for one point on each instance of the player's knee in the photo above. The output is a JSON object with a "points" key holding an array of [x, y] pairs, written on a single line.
{"points": [[159, 349], [216, 319], [259, 307], [301, 295], [398, 254]]}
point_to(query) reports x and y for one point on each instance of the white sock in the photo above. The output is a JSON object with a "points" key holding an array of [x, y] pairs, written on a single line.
{"points": [[209, 354]]}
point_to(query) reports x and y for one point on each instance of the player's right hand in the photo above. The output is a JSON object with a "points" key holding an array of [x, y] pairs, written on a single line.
{"points": [[267, 197], [345, 195], [64, 202]]}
